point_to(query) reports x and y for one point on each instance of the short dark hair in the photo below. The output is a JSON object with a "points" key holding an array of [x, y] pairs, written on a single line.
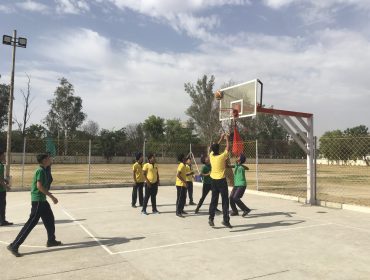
{"points": [[41, 157], [203, 159], [150, 156], [138, 155], [242, 159], [181, 157], [215, 148]]}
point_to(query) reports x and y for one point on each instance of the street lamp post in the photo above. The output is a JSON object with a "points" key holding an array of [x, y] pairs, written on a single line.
{"points": [[15, 42]]}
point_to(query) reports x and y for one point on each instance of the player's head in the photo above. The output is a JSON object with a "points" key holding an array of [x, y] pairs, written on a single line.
{"points": [[151, 158], [242, 159], [188, 160], [181, 158], [215, 148], [204, 159], [139, 157], [43, 159]]}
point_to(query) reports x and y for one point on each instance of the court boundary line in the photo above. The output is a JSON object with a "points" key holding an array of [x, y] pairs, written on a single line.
{"points": [[87, 232], [216, 238]]}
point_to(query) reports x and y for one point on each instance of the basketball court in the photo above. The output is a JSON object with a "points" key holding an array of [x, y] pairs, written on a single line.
{"points": [[105, 238]]}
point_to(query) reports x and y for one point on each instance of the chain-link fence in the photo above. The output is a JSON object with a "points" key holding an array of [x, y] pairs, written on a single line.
{"points": [[343, 171]]}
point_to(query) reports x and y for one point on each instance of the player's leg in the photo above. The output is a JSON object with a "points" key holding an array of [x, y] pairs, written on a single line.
{"points": [[134, 194], [153, 197], [2, 207], [146, 199], [224, 191], [183, 192], [232, 202], [237, 198], [141, 197], [214, 202], [190, 192], [48, 219], [205, 190], [178, 204]]}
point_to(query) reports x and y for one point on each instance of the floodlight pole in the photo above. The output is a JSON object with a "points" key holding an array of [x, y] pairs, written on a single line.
{"points": [[10, 112]]}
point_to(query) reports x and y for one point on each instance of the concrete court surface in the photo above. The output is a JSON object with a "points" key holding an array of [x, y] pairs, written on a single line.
{"points": [[107, 239]]}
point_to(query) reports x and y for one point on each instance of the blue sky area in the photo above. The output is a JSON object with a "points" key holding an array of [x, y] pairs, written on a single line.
{"points": [[129, 59]]}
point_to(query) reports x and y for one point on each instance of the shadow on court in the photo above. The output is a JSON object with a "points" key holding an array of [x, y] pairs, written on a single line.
{"points": [[271, 214], [107, 241], [248, 227]]}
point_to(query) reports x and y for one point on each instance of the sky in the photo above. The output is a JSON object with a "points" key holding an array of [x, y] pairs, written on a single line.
{"points": [[129, 59]]}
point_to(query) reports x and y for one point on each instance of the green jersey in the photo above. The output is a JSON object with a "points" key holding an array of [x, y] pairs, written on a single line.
{"points": [[40, 175], [2, 187], [205, 170], [239, 176]]}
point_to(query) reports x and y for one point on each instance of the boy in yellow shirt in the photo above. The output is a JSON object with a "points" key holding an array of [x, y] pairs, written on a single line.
{"points": [[219, 183], [189, 180], [138, 175], [151, 176], [181, 186]]}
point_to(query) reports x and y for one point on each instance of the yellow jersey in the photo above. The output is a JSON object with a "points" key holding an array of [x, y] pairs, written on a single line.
{"points": [[189, 178], [218, 163], [151, 172], [138, 172], [182, 169]]}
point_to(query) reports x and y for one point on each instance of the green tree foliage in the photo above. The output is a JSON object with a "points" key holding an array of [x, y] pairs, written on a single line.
{"points": [[36, 131], [112, 143], [4, 102], [203, 109], [135, 137], [65, 114], [350, 144], [154, 128]]}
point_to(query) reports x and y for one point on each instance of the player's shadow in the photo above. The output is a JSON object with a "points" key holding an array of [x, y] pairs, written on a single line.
{"points": [[106, 241], [248, 227], [81, 192], [270, 214]]}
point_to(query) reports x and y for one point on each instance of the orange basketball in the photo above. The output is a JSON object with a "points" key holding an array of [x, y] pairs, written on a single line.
{"points": [[219, 95]]}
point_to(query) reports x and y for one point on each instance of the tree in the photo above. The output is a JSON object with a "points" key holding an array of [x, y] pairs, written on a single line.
{"points": [[91, 128], [36, 131], [65, 114], [204, 110], [4, 102], [135, 136], [154, 128], [27, 100], [112, 143]]}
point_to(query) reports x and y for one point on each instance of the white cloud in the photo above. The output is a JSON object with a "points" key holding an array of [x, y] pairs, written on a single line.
{"points": [[71, 6], [125, 85], [33, 6], [6, 9]]}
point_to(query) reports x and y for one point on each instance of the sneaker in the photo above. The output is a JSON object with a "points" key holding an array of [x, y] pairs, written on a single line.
{"points": [[133, 206], [245, 213], [232, 213], [183, 212], [53, 243], [6, 223], [156, 212], [192, 203], [144, 213], [211, 223], [13, 251], [227, 224], [180, 215]]}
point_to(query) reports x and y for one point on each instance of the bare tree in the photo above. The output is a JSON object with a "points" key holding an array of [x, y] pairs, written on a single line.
{"points": [[27, 100]]}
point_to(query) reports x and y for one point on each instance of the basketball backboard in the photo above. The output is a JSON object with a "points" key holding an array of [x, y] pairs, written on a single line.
{"points": [[243, 97]]}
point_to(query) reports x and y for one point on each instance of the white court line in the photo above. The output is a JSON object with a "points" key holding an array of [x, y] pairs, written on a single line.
{"points": [[217, 238], [88, 232]]}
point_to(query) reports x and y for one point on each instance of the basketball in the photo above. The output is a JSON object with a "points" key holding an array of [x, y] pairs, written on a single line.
{"points": [[219, 95]]}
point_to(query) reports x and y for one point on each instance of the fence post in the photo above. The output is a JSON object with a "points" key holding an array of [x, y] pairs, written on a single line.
{"points": [[257, 165], [23, 159], [89, 163]]}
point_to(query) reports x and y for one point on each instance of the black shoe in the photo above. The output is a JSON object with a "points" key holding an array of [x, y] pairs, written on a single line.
{"points": [[155, 212], [245, 213], [234, 213], [133, 206], [53, 243], [183, 212], [211, 223], [6, 223], [144, 213], [13, 251], [218, 211], [227, 224], [192, 203], [180, 215], [196, 210]]}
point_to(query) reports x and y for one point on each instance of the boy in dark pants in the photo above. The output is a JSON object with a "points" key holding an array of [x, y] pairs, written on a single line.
{"points": [[151, 176], [4, 186], [219, 183], [240, 185], [40, 208], [137, 169], [181, 186], [189, 181]]}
